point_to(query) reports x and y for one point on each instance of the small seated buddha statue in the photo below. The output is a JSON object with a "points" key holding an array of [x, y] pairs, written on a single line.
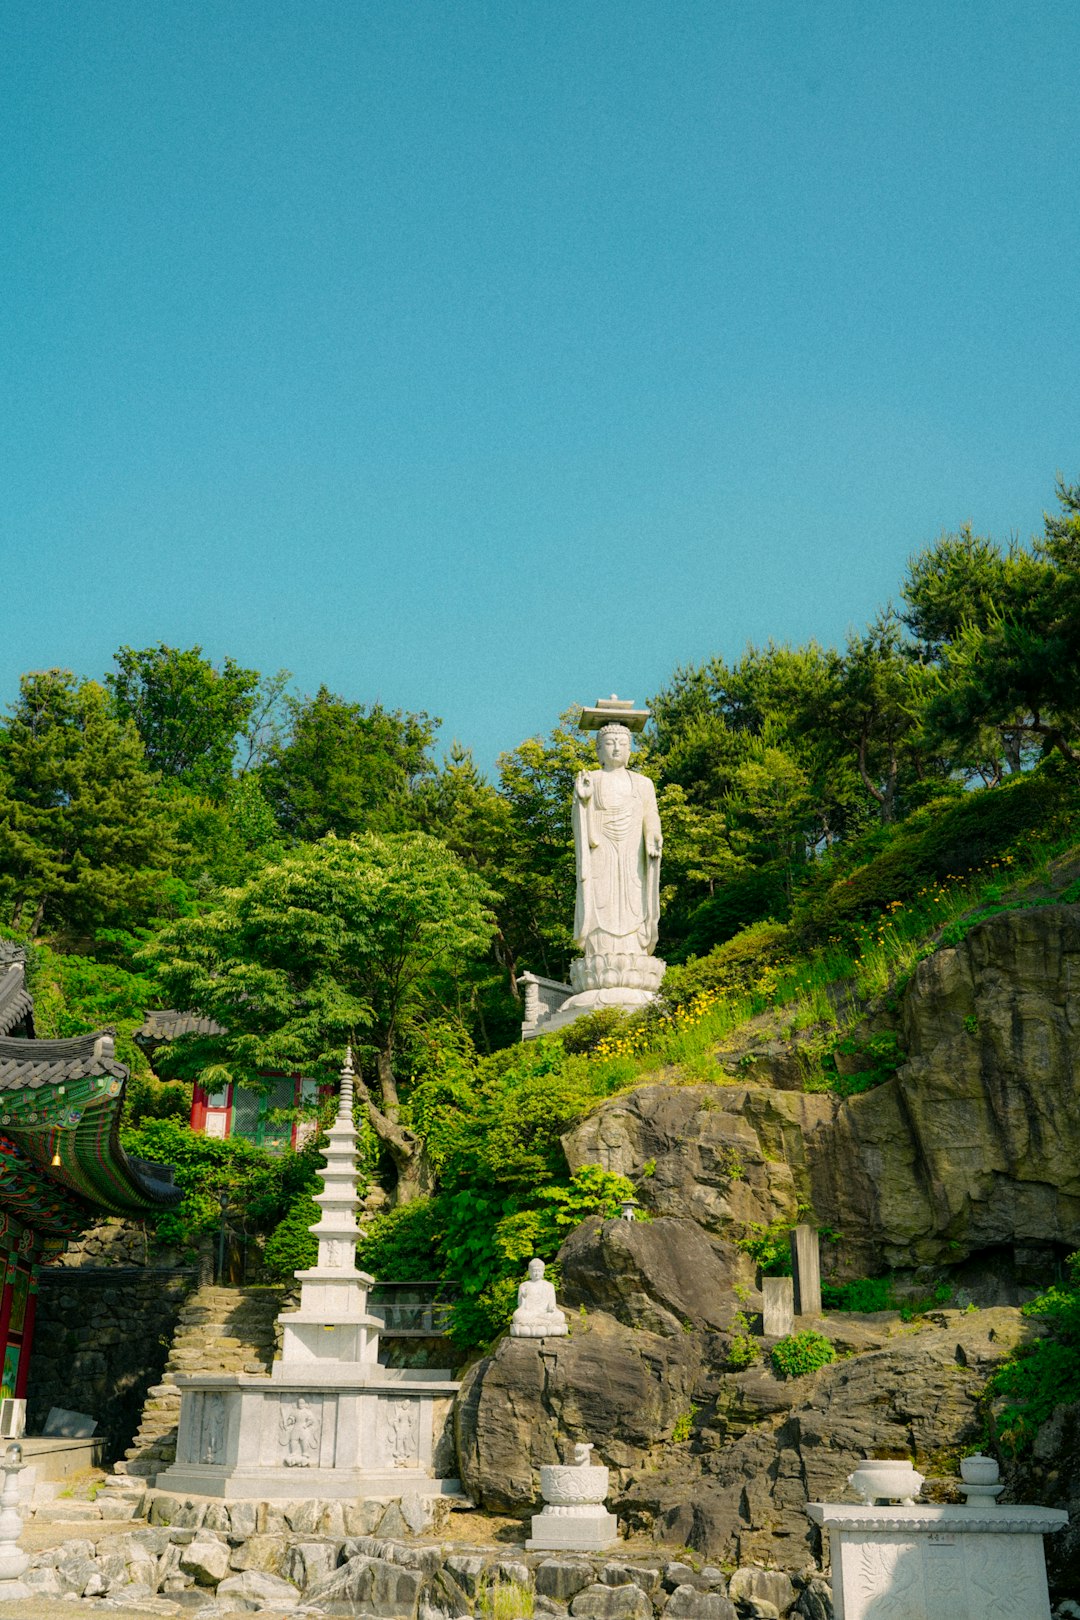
{"points": [[537, 1315]]}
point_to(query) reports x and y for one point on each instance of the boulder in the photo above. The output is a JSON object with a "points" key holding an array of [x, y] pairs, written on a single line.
{"points": [[207, 1561], [606, 1380], [976, 1141], [688, 1603], [612, 1603], [661, 1275], [768, 1585], [308, 1563], [255, 1589], [368, 1586], [717, 1155]]}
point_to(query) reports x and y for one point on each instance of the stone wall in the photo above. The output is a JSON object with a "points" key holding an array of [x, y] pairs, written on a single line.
{"points": [[255, 1555], [100, 1341]]}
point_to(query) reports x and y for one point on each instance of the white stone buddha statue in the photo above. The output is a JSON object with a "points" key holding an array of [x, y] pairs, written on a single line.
{"points": [[537, 1315]]}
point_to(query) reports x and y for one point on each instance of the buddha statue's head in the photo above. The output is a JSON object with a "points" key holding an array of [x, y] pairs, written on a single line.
{"points": [[536, 1270], [613, 746]]}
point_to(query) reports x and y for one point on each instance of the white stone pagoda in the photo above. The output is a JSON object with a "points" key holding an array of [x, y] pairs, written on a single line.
{"points": [[330, 1421]]}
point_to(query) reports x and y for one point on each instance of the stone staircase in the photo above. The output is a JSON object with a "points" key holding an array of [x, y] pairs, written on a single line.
{"points": [[219, 1330]]}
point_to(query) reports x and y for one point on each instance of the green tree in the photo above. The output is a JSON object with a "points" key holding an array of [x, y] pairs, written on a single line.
{"points": [[347, 768], [85, 843], [189, 713], [961, 584], [537, 878], [871, 711], [343, 940], [1011, 664]]}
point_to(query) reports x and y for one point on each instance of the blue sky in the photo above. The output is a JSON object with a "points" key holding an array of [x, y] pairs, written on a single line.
{"points": [[486, 358]]}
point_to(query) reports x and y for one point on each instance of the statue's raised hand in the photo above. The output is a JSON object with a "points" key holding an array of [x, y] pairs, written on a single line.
{"points": [[583, 786]]}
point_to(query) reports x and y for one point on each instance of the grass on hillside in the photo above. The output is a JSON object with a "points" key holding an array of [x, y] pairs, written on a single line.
{"points": [[828, 987]]}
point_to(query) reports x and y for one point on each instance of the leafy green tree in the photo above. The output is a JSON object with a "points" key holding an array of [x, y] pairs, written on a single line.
{"points": [[962, 584], [346, 768], [85, 842], [871, 711], [1012, 665], [537, 879], [189, 713], [344, 940]]}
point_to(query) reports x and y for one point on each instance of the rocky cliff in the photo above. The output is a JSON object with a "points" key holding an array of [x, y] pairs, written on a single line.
{"points": [[969, 1153], [972, 1145]]}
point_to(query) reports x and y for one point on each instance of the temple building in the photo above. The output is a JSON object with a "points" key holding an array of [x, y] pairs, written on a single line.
{"points": [[267, 1115], [61, 1164]]}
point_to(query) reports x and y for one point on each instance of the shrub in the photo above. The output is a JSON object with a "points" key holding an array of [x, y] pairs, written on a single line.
{"points": [[935, 843], [865, 1294], [801, 1353], [290, 1246], [261, 1186], [585, 1034], [404, 1243], [733, 968], [868, 1061], [1038, 1377]]}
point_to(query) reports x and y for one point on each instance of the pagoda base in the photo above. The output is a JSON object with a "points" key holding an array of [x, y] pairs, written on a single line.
{"points": [[301, 1435]]}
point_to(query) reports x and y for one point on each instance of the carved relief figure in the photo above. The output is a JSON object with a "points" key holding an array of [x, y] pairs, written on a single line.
{"points": [[401, 1433], [213, 1429], [300, 1426], [618, 843]]}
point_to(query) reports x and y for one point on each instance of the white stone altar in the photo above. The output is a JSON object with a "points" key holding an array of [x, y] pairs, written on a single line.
{"points": [[899, 1562], [329, 1421], [618, 844], [574, 1516]]}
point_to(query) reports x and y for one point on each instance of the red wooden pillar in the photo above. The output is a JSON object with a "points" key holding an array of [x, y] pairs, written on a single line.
{"points": [[27, 1336]]}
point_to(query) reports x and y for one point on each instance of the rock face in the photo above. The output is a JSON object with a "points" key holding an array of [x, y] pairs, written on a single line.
{"points": [[627, 1386], [973, 1144], [970, 1152], [716, 1155], [757, 1448], [661, 1275], [976, 1142]]}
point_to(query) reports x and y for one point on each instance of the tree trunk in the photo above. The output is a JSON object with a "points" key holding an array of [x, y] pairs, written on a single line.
{"points": [[415, 1178], [388, 1085], [39, 917]]}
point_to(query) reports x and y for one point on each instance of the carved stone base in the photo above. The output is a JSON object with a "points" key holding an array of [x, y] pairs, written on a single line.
{"points": [[617, 970], [592, 1531], [944, 1563]]}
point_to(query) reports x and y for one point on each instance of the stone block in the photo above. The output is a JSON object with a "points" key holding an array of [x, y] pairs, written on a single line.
{"points": [[44, 1582], [778, 1306], [592, 1532], [309, 1563], [468, 1568], [770, 1584], [256, 1589], [207, 1561], [690, 1603], [443, 1599], [119, 1507], [243, 1519], [645, 1576], [368, 1586], [74, 1573], [676, 1574], [562, 1578], [361, 1518], [265, 1553], [806, 1269], [600, 1602]]}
